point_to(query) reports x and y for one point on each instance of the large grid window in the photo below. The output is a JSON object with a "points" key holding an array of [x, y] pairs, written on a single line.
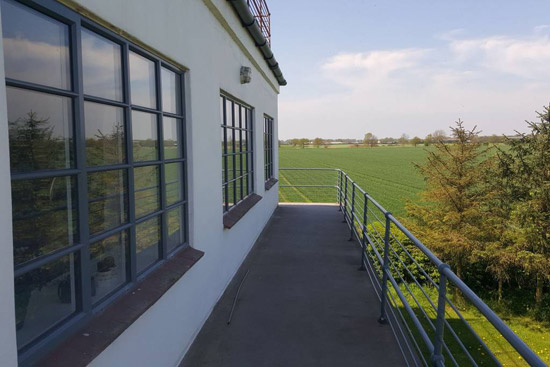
{"points": [[98, 164], [268, 148], [237, 157]]}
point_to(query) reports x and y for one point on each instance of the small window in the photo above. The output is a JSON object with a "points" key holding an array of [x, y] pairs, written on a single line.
{"points": [[268, 148], [237, 152]]}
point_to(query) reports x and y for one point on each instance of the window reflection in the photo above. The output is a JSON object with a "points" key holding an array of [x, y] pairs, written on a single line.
{"points": [[104, 134], [176, 236], [145, 136], [172, 137], [101, 66], [174, 178], [142, 81], [44, 297], [36, 47], [171, 89], [146, 190], [40, 128], [109, 265], [107, 206], [147, 243], [44, 216]]}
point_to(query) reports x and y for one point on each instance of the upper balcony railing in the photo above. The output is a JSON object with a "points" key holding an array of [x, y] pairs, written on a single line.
{"points": [[412, 283], [261, 12]]}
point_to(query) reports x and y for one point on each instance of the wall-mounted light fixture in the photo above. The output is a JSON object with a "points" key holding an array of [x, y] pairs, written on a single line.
{"points": [[246, 74]]}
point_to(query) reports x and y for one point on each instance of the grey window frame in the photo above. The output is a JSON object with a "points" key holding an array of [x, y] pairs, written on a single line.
{"points": [[81, 248], [268, 148], [248, 151]]}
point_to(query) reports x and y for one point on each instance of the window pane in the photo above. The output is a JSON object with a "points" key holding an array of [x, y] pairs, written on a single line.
{"points": [[105, 134], [142, 81], [44, 297], [146, 188], [44, 216], [172, 138], [101, 66], [107, 200], [109, 265], [147, 243], [176, 235], [145, 136], [174, 179], [171, 91], [228, 112], [36, 47], [40, 129]]}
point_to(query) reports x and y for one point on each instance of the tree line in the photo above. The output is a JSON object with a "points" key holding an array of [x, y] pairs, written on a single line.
{"points": [[371, 140], [486, 211]]}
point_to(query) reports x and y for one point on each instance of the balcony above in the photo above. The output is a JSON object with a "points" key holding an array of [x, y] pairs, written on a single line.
{"points": [[260, 11]]}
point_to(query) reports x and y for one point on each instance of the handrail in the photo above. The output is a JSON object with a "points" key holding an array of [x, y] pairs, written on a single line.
{"points": [[380, 257]]}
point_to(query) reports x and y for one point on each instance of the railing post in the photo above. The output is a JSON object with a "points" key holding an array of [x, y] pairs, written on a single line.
{"points": [[339, 184], [352, 218], [437, 359], [345, 198], [364, 240], [385, 269]]}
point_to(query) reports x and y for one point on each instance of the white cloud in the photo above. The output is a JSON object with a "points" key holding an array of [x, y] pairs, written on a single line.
{"points": [[494, 82]]}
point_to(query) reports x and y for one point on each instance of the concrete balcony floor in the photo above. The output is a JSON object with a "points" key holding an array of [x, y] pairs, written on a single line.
{"points": [[303, 303]]}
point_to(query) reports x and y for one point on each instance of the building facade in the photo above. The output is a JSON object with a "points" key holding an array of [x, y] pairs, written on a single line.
{"points": [[118, 198]]}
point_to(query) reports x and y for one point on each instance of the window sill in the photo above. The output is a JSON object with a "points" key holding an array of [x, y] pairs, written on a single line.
{"points": [[85, 345], [238, 211], [270, 183]]}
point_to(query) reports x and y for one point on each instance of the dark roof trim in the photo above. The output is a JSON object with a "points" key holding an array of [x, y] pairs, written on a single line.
{"points": [[249, 22]]}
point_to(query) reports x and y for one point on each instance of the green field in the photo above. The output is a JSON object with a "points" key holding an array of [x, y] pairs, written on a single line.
{"points": [[386, 173]]}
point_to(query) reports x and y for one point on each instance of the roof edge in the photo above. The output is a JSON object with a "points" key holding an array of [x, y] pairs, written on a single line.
{"points": [[249, 22]]}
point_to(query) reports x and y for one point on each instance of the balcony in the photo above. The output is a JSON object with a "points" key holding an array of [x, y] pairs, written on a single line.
{"points": [[344, 283], [260, 11]]}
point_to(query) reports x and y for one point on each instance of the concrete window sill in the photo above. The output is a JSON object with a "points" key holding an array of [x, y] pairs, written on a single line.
{"points": [[270, 183], [85, 345], [238, 211]]}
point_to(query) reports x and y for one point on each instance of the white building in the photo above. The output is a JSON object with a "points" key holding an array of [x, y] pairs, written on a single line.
{"points": [[124, 218]]}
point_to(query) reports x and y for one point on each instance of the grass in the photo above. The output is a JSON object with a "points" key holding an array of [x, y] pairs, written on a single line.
{"points": [[386, 173]]}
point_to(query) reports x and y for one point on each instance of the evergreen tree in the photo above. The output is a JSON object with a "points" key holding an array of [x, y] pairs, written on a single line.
{"points": [[448, 216], [530, 159]]}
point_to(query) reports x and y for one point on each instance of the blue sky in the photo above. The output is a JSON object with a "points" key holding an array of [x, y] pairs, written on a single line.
{"points": [[394, 67]]}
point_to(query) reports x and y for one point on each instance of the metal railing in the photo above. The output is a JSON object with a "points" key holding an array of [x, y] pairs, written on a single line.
{"points": [[260, 11], [411, 282]]}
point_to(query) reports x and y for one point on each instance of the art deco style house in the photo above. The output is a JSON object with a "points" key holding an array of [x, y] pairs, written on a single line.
{"points": [[123, 217]]}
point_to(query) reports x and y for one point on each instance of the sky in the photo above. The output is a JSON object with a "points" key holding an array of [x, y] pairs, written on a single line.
{"points": [[409, 67]]}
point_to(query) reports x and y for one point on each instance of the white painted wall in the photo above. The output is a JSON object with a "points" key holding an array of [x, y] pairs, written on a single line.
{"points": [[187, 31], [8, 347]]}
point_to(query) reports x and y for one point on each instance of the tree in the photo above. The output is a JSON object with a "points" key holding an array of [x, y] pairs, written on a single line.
{"points": [[317, 142], [370, 139], [404, 139], [530, 161], [500, 192], [448, 216], [295, 142], [416, 140], [303, 142], [439, 135], [428, 139]]}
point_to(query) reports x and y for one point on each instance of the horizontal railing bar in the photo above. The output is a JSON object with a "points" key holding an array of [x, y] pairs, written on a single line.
{"points": [[518, 344]]}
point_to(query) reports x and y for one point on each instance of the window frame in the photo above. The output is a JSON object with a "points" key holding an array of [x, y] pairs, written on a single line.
{"points": [[248, 170], [79, 170], [269, 170]]}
